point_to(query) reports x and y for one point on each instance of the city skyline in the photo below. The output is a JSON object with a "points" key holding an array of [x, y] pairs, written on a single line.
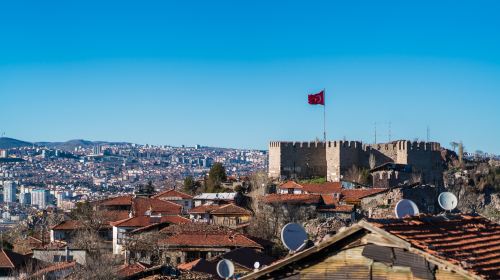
{"points": [[181, 75]]}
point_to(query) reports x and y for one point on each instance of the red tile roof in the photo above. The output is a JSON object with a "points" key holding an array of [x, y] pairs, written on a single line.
{"points": [[131, 269], [209, 240], [354, 195], [143, 221], [68, 225], [204, 235], [9, 259], [470, 241], [231, 209], [203, 209], [290, 185], [157, 206], [172, 194], [189, 265], [292, 198], [117, 201], [53, 268]]}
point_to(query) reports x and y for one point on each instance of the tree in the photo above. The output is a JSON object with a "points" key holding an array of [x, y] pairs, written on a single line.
{"points": [[189, 185], [216, 176], [454, 145], [372, 161]]}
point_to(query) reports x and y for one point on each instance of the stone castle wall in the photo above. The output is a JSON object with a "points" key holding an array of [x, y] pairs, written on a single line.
{"points": [[297, 159], [315, 159]]}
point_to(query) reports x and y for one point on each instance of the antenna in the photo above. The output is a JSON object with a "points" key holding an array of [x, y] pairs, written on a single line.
{"points": [[428, 133], [375, 133], [389, 132], [406, 207], [294, 237], [225, 268], [447, 200]]}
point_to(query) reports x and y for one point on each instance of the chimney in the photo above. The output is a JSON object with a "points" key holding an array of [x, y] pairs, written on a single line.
{"points": [[67, 253]]}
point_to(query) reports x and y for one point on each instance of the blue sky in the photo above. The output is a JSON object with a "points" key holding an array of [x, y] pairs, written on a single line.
{"points": [[237, 73]]}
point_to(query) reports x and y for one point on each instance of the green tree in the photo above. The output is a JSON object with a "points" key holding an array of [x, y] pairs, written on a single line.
{"points": [[216, 176], [189, 185]]}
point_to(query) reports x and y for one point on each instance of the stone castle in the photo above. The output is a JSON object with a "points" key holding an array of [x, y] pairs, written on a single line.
{"points": [[334, 158]]}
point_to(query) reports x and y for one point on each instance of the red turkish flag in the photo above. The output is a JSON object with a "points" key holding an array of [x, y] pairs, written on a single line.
{"points": [[316, 99]]}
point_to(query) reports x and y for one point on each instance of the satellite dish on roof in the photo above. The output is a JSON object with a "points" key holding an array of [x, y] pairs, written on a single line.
{"points": [[225, 268], [406, 207], [447, 201], [293, 236], [256, 265]]}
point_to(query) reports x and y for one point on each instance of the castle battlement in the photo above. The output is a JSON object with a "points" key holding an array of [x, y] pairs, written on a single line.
{"points": [[345, 144], [290, 144], [418, 146]]}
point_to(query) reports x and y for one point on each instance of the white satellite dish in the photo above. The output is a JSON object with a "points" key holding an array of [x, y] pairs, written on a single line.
{"points": [[225, 268], [447, 201], [406, 207], [256, 265], [293, 236]]}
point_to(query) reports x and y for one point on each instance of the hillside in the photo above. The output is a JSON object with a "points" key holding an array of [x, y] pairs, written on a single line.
{"points": [[9, 143]]}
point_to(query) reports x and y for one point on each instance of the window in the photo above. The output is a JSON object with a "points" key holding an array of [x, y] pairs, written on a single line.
{"points": [[186, 203]]}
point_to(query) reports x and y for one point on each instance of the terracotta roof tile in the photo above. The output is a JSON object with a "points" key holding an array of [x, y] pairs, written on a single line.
{"points": [[203, 209], [209, 240], [68, 225], [143, 221], [9, 259], [131, 269], [173, 194], [197, 234], [352, 195], [117, 201], [292, 198], [157, 206], [470, 241], [229, 209]]}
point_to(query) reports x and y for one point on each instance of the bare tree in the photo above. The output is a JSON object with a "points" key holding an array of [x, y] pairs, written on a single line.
{"points": [[372, 161]]}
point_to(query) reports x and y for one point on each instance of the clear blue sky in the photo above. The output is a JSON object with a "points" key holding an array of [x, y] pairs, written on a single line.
{"points": [[236, 73]]}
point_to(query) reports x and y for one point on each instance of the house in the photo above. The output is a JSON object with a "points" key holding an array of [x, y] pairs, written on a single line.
{"points": [[55, 271], [215, 198], [13, 264], [242, 258], [55, 254], [172, 195], [65, 230], [390, 175], [228, 215], [330, 199], [187, 242], [202, 213], [292, 187], [123, 227], [382, 204], [128, 270], [462, 246]]}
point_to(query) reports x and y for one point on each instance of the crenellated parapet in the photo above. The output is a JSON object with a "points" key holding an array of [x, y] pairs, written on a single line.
{"points": [[290, 144]]}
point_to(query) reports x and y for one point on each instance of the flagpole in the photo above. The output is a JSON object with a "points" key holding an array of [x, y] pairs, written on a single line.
{"points": [[324, 115]]}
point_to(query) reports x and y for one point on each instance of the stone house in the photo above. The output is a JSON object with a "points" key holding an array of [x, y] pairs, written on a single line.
{"points": [[382, 204], [123, 227]]}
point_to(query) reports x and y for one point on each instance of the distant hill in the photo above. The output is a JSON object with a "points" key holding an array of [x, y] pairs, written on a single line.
{"points": [[9, 143], [72, 144]]}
